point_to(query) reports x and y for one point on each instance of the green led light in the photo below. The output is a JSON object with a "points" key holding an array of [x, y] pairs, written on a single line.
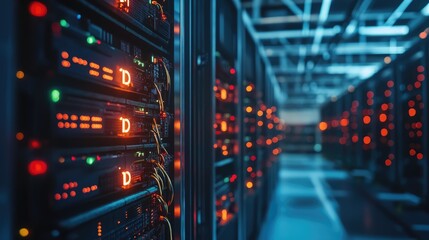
{"points": [[226, 179], [55, 95], [90, 160], [91, 40], [64, 23]]}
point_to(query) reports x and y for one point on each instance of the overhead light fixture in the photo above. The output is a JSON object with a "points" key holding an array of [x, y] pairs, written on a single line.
{"points": [[425, 10], [384, 30]]}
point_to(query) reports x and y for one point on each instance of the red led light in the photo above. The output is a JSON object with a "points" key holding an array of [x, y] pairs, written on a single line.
{"points": [[34, 144], [37, 9], [37, 167], [232, 71], [388, 162]]}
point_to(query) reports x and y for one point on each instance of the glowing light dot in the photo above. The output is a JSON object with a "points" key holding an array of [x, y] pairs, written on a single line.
{"points": [[23, 232], [55, 95], [367, 140], [64, 23], [20, 74], [37, 167], [388, 162], [91, 40], [37, 9], [90, 160], [323, 126], [412, 112], [249, 185], [387, 60], [19, 136]]}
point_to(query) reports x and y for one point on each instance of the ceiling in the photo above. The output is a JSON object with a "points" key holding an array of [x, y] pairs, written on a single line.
{"points": [[319, 49]]}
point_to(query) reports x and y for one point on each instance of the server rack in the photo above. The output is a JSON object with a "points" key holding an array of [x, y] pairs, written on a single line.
{"points": [[93, 116], [392, 131]]}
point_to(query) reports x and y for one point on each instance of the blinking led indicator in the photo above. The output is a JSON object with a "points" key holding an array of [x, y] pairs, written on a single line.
{"points": [[55, 95], [37, 167], [37, 9]]}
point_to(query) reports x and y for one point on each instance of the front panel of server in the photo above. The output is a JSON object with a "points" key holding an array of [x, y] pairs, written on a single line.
{"points": [[93, 120]]}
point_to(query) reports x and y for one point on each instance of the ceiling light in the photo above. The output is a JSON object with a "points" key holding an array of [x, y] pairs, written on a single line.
{"points": [[425, 10], [384, 30]]}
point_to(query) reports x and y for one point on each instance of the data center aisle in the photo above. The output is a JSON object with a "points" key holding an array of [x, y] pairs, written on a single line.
{"points": [[314, 200]]}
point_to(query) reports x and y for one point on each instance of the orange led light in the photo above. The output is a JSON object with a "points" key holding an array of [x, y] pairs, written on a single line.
{"points": [[84, 126], [224, 214], [249, 169], [249, 185], [223, 126], [249, 109], [260, 113], [344, 122], [94, 73], [96, 126], [96, 119], [23, 232], [382, 117], [384, 106], [19, 136], [65, 54], [223, 94], [94, 65], [249, 144], [269, 111], [367, 140], [84, 118], [367, 120], [276, 151], [107, 70], [384, 132], [412, 112], [225, 153], [20, 74], [249, 88], [260, 123], [107, 77], [65, 63], [323, 126], [270, 126], [177, 211], [269, 141]]}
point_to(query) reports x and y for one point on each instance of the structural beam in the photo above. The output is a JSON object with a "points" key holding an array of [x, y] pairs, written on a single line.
{"points": [[295, 33]]}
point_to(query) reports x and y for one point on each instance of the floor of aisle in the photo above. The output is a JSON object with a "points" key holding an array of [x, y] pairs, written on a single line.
{"points": [[314, 200]]}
